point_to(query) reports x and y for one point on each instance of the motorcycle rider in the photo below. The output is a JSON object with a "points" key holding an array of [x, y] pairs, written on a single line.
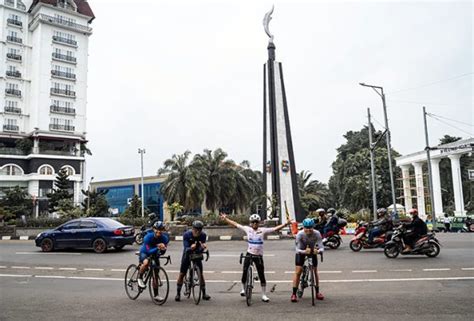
{"points": [[331, 225], [417, 228], [380, 225], [321, 220]]}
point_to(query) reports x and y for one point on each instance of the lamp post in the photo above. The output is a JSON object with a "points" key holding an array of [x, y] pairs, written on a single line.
{"points": [[430, 173], [379, 91], [142, 151], [89, 196], [372, 167]]}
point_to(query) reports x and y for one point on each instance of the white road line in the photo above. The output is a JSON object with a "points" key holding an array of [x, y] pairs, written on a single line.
{"points": [[172, 271], [210, 272], [3, 267], [364, 271], [401, 270], [289, 272], [467, 269], [117, 270], [266, 272], [432, 270], [42, 253], [93, 269], [43, 268], [230, 272], [330, 272], [68, 269], [20, 267], [236, 255], [226, 281]]}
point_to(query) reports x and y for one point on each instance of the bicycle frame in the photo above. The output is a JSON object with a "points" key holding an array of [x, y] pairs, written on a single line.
{"points": [[189, 283], [250, 278]]}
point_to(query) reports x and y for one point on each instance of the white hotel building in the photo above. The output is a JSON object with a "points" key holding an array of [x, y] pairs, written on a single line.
{"points": [[43, 86]]}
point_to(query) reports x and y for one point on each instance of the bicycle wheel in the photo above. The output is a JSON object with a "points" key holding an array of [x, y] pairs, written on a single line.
{"points": [[249, 285], [131, 282], [159, 286], [313, 285], [303, 282], [197, 286], [188, 277]]}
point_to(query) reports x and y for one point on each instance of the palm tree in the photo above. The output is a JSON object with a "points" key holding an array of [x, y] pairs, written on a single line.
{"points": [[313, 193], [186, 184], [247, 187]]}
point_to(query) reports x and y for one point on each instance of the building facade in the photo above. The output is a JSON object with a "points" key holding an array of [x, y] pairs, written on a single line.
{"points": [[43, 83], [121, 191], [419, 193]]}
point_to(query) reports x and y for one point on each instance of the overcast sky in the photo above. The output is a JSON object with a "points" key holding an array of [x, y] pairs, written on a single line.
{"points": [[171, 76]]}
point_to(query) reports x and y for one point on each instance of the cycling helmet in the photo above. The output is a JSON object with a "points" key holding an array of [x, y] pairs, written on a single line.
{"points": [[320, 210], [332, 210], [254, 218], [198, 225], [308, 223], [159, 226]]}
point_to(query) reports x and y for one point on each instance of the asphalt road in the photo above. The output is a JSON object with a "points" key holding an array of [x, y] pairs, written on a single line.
{"points": [[357, 286]]}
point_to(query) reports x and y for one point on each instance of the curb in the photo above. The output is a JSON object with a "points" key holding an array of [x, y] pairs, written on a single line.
{"points": [[22, 238]]}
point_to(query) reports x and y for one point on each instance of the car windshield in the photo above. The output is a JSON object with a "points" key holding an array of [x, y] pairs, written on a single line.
{"points": [[110, 223]]}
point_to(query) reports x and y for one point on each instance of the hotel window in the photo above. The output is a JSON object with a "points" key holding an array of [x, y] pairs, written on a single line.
{"points": [[46, 170]]}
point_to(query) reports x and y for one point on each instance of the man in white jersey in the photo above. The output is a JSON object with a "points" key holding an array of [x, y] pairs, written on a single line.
{"points": [[255, 237]]}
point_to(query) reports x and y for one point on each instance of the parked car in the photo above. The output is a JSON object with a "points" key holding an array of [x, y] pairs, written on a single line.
{"points": [[98, 233]]}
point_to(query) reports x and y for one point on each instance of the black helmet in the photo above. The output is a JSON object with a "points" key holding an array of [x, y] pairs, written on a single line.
{"points": [[159, 226], [198, 225], [152, 216], [331, 210]]}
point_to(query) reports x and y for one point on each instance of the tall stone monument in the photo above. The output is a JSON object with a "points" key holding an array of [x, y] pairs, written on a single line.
{"points": [[280, 185]]}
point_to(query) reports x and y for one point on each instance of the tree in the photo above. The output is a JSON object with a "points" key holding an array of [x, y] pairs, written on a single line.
{"points": [[185, 184], [174, 209], [135, 207], [16, 202], [62, 190], [446, 139], [350, 182], [313, 194], [95, 203]]}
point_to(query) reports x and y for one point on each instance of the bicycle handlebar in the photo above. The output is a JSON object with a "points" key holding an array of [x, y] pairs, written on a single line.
{"points": [[167, 258]]}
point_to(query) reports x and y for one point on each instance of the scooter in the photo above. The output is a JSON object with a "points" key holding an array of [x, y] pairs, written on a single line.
{"points": [[361, 239], [427, 245], [332, 239]]}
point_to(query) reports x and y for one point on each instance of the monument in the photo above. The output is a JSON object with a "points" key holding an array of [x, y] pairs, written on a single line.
{"points": [[279, 179]]}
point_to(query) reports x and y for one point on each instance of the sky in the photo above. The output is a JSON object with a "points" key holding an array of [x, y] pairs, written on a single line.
{"points": [[171, 76]]}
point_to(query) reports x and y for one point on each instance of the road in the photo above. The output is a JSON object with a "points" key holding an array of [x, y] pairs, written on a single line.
{"points": [[357, 286]]}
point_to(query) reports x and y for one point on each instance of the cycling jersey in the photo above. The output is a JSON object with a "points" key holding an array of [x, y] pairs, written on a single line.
{"points": [[303, 241], [189, 239], [255, 238], [150, 242]]}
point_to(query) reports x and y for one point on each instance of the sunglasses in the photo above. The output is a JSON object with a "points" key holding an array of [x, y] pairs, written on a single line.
{"points": [[254, 222]]}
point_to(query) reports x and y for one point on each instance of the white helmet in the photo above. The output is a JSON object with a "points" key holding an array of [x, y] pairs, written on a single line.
{"points": [[254, 217]]}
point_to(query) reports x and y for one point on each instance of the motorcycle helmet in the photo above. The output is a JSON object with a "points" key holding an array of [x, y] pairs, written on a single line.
{"points": [[198, 225], [332, 210], [308, 223], [159, 226], [413, 211], [254, 218], [381, 212], [151, 216], [320, 211]]}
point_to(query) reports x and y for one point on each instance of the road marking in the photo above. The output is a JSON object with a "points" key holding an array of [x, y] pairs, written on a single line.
{"points": [[117, 270], [364, 271], [467, 269], [230, 272], [172, 271], [329, 272], [93, 269], [3, 267], [227, 281], [432, 270], [225, 237], [210, 272], [68, 269], [237, 255], [401, 270], [20, 267], [43, 268], [43, 253]]}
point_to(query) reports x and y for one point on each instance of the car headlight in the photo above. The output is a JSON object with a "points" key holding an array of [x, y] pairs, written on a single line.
{"points": [[39, 235]]}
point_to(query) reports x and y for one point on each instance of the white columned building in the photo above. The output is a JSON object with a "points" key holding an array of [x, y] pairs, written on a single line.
{"points": [[453, 151], [43, 83]]}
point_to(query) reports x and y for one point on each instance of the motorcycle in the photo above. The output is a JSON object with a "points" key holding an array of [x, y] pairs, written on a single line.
{"points": [[140, 235], [361, 239], [332, 239], [427, 245]]}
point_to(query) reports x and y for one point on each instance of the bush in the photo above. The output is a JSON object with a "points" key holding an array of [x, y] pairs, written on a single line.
{"points": [[132, 221], [212, 219], [42, 222]]}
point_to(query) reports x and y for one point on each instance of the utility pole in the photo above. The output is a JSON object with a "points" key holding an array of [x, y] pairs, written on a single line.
{"points": [[379, 91], [372, 167], [89, 197], [142, 151], [430, 174]]}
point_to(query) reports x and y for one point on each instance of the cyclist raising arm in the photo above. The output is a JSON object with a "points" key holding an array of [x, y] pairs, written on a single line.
{"points": [[255, 237], [306, 241], [152, 243]]}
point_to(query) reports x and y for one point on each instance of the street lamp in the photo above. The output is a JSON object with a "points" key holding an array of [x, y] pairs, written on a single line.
{"points": [[142, 151], [379, 91], [89, 196]]}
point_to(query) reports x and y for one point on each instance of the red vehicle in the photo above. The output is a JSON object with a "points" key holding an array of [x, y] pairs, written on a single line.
{"points": [[360, 240]]}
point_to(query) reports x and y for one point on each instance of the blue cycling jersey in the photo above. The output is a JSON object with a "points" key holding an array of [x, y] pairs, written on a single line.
{"points": [[150, 242], [189, 239]]}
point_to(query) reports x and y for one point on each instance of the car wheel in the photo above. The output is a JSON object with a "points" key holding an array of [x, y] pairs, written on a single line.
{"points": [[99, 246], [47, 245], [119, 247]]}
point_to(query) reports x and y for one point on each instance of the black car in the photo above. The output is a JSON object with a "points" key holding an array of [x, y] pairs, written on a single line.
{"points": [[97, 233]]}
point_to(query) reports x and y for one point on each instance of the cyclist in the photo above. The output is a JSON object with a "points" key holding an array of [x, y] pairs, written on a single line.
{"points": [[306, 241], [155, 240], [255, 237], [194, 241]]}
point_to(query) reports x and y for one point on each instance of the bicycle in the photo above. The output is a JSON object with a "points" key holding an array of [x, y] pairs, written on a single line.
{"points": [[192, 278], [155, 276], [308, 267], [250, 278]]}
